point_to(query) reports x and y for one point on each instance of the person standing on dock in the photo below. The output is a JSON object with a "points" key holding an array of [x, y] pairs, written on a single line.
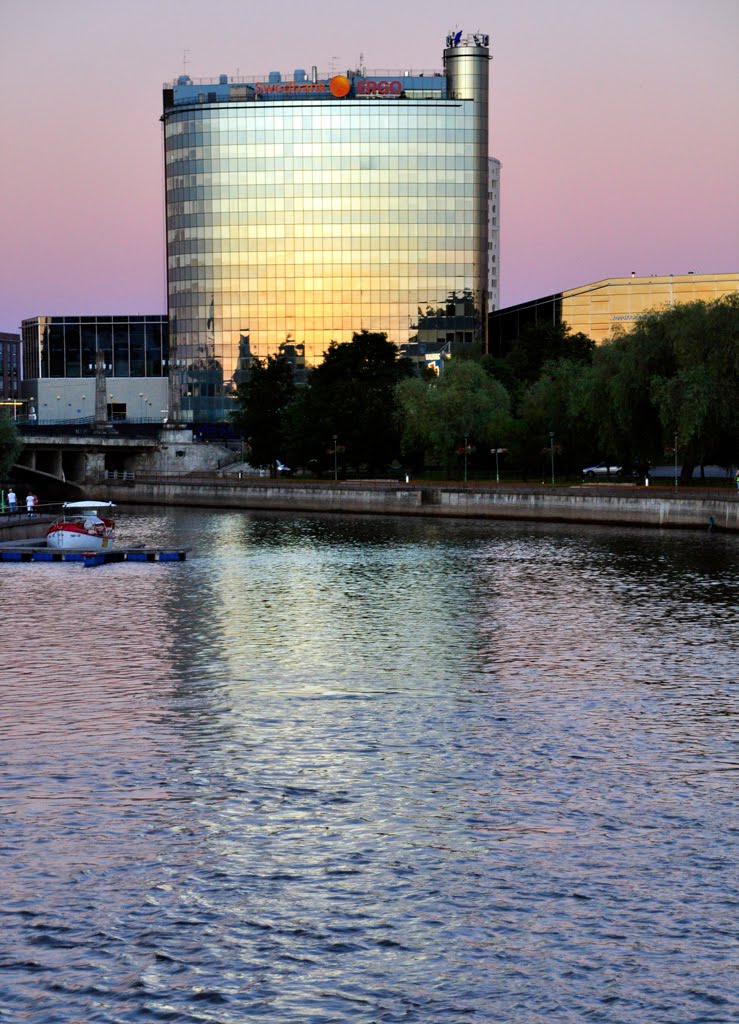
{"points": [[31, 500], [12, 501]]}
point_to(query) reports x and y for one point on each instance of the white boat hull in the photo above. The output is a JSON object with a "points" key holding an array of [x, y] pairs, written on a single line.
{"points": [[64, 537], [63, 540], [82, 527]]}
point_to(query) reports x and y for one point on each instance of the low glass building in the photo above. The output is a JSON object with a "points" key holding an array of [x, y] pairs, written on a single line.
{"points": [[60, 356], [301, 209], [598, 308]]}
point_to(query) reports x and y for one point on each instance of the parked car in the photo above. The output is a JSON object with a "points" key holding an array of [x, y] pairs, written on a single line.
{"points": [[602, 469]]}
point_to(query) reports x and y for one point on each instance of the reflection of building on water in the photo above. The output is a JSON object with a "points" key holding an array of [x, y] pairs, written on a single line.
{"points": [[311, 206]]}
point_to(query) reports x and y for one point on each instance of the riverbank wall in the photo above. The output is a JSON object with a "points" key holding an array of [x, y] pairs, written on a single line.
{"points": [[21, 527], [624, 505]]}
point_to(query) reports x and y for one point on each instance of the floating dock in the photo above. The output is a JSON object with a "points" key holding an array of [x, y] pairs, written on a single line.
{"points": [[91, 558]]}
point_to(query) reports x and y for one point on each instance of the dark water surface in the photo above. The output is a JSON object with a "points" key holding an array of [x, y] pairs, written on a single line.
{"points": [[372, 770]]}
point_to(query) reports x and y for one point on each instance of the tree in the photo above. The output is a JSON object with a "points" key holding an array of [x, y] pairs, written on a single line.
{"points": [[541, 343], [700, 401], [553, 404], [350, 397], [263, 399], [676, 372], [10, 445], [464, 402]]}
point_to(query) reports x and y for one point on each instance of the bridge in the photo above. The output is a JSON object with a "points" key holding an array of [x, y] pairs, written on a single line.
{"points": [[82, 456], [62, 462]]}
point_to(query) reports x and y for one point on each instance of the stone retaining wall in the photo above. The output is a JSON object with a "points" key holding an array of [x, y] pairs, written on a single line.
{"points": [[22, 527], [630, 506]]}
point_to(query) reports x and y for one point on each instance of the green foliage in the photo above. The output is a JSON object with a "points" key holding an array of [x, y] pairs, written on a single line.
{"points": [[700, 399], [463, 402], [263, 401], [350, 396], [10, 445], [675, 373], [554, 403], [542, 343]]}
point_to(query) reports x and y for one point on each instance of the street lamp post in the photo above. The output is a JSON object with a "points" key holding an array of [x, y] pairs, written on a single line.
{"points": [[336, 464], [551, 452], [465, 458], [675, 459]]}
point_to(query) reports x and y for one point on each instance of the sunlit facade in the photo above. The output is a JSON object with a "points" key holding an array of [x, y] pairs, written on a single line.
{"points": [[302, 210], [605, 307], [619, 302]]}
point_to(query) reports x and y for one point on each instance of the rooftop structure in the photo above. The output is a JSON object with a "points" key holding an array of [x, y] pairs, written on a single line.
{"points": [[303, 208]]}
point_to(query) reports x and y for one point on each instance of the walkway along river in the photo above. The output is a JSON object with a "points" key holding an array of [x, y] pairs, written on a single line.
{"points": [[624, 505]]}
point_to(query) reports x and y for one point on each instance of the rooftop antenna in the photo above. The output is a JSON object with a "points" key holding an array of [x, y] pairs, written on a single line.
{"points": [[332, 66], [185, 61]]}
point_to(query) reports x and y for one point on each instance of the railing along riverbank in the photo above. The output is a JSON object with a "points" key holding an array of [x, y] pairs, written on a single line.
{"points": [[618, 504]]}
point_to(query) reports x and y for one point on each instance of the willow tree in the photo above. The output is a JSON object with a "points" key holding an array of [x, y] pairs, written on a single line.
{"points": [[465, 403], [675, 374]]}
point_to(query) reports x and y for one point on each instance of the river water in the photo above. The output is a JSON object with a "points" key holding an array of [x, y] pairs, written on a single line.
{"points": [[372, 770]]}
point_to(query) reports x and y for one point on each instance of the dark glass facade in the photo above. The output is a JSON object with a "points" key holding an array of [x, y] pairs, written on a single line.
{"points": [[10, 365], [300, 211], [67, 346]]}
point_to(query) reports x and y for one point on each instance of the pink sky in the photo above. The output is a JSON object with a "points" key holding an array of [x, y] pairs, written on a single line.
{"points": [[617, 126]]}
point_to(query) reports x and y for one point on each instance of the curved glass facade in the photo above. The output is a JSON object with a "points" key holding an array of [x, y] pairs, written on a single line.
{"points": [[295, 218]]}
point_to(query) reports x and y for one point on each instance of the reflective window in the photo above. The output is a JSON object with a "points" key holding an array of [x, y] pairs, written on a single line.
{"points": [[307, 221]]}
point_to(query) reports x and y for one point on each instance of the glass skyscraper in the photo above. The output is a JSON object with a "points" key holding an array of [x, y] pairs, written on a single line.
{"points": [[302, 210]]}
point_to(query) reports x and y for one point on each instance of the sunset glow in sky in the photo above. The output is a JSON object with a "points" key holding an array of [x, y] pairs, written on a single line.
{"points": [[617, 126]]}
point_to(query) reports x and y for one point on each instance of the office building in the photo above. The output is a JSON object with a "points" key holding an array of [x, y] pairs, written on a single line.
{"points": [[60, 358], [615, 302], [303, 208], [10, 370], [493, 234]]}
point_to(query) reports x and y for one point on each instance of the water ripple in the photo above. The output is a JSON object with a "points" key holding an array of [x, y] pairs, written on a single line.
{"points": [[364, 770]]}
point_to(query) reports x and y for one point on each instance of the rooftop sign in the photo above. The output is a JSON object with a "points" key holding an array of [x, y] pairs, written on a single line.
{"points": [[291, 87], [339, 86], [378, 87]]}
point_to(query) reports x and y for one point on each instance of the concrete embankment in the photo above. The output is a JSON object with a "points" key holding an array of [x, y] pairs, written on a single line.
{"points": [[20, 527], [624, 505]]}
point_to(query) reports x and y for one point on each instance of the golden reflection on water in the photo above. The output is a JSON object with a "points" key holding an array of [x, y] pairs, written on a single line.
{"points": [[417, 766]]}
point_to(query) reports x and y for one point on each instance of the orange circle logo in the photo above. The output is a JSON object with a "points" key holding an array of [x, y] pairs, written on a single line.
{"points": [[339, 86]]}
